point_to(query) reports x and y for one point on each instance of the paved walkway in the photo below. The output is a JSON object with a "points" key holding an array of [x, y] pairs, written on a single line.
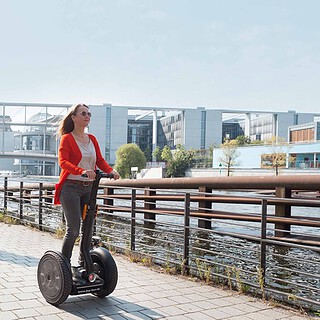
{"points": [[141, 293]]}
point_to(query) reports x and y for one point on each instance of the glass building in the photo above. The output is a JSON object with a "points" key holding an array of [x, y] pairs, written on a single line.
{"points": [[140, 133]]}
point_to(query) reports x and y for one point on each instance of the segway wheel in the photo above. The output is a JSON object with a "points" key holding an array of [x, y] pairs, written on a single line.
{"points": [[54, 277], [106, 269]]}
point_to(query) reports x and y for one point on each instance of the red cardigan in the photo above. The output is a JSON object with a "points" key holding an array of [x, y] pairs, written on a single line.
{"points": [[70, 155]]}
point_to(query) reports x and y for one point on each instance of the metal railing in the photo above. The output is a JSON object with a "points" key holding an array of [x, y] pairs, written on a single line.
{"points": [[305, 164], [261, 243]]}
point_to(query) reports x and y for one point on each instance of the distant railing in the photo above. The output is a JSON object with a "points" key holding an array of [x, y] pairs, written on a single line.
{"points": [[252, 234], [305, 164]]}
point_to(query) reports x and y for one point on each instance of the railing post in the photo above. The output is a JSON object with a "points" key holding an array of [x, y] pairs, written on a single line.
{"points": [[21, 201], [109, 202], [203, 206], [263, 244], [133, 221], [47, 194], [40, 205], [186, 233], [5, 190], [284, 211], [149, 205]]}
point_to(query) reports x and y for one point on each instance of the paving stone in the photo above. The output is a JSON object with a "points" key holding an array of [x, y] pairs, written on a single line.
{"points": [[7, 306], [217, 314], [134, 316], [48, 317], [130, 307], [25, 296], [114, 317], [246, 307], [181, 299], [8, 298], [232, 311], [23, 313], [190, 307], [8, 315], [171, 311], [164, 302], [198, 316]]}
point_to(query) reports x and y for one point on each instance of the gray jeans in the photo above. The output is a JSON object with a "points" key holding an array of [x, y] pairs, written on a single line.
{"points": [[73, 197]]}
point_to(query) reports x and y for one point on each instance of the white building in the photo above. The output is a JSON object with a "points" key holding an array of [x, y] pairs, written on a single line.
{"points": [[303, 155]]}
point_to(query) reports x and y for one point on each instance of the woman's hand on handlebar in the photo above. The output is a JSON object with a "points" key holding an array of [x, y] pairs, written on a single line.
{"points": [[89, 174], [116, 175]]}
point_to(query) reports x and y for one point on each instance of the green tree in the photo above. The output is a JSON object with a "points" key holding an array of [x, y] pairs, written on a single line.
{"points": [[156, 154], [127, 156], [229, 155], [243, 140], [210, 157], [179, 161], [148, 154], [166, 154], [257, 142]]}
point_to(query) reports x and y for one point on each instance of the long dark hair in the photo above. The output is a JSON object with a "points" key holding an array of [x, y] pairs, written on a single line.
{"points": [[66, 124]]}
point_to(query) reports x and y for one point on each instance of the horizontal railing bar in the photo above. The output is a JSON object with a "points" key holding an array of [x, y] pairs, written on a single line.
{"points": [[223, 255], [214, 199], [313, 302], [296, 284], [230, 245], [292, 258], [227, 183], [225, 215], [299, 272], [289, 244]]}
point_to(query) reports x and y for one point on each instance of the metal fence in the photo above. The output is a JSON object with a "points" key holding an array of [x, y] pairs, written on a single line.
{"points": [[236, 241]]}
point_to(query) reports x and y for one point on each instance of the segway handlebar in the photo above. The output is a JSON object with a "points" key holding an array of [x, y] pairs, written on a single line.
{"points": [[100, 174]]}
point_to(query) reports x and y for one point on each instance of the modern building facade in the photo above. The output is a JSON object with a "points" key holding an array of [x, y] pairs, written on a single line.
{"points": [[304, 132], [28, 131], [6, 142], [263, 126]]}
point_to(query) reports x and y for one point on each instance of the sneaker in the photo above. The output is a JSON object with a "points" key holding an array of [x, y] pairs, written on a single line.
{"points": [[77, 274]]}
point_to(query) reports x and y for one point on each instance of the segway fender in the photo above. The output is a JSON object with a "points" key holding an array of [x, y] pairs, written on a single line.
{"points": [[107, 270], [103, 253]]}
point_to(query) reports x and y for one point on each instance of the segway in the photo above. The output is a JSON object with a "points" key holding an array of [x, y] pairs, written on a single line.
{"points": [[98, 274]]}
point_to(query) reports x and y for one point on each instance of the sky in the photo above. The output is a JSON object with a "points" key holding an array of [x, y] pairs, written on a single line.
{"points": [[218, 54]]}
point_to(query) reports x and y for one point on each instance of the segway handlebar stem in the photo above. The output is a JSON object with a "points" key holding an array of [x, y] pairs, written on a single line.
{"points": [[90, 211]]}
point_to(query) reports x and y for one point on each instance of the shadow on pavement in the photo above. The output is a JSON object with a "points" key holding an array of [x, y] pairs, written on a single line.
{"points": [[15, 258], [88, 307]]}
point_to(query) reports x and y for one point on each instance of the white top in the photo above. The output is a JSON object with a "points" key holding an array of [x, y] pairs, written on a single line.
{"points": [[88, 160]]}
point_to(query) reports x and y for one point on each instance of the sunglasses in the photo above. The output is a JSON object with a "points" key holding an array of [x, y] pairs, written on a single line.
{"points": [[83, 113]]}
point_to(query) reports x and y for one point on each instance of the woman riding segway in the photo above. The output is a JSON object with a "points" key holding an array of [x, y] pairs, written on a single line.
{"points": [[79, 156]]}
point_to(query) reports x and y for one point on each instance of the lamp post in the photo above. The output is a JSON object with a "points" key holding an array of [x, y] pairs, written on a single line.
{"points": [[134, 171]]}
